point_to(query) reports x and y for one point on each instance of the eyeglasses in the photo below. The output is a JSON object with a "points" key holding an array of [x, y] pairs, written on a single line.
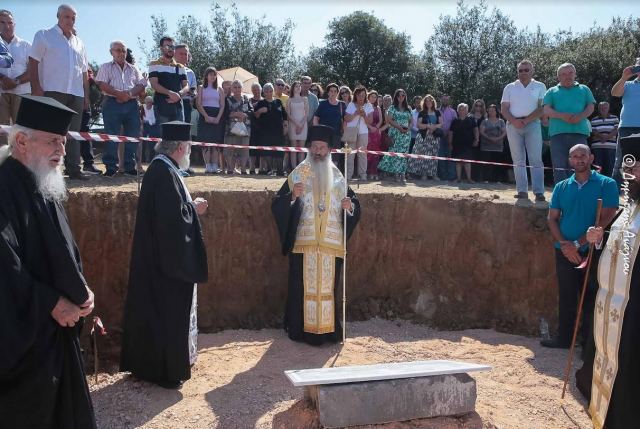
{"points": [[169, 47], [524, 70], [119, 50], [279, 84]]}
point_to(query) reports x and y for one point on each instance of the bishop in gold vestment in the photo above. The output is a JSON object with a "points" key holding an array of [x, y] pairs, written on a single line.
{"points": [[309, 211]]}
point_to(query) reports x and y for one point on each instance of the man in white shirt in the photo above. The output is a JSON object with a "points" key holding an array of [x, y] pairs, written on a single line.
{"points": [[522, 107], [58, 69], [14, 81]]}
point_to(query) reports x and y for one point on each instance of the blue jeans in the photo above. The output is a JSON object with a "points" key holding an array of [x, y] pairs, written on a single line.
{"points": [[117, 117], [560, 145], [446, 169], [176, 115], [527, 142], [605, 158], [622, 132]]}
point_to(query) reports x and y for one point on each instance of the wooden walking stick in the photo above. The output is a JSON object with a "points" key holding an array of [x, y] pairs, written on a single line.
{"points": [[579, 315]]}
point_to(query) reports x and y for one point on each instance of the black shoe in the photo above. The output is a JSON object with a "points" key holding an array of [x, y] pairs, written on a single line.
{"points": [[78, 176], [90, 169], [110, 173], [131, 173], [540, 198], [521, 196], [169, 384], [554, 343]]}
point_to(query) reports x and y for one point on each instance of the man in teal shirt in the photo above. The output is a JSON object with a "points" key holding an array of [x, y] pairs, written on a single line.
{"points": [[568, 105], [571, 212]]}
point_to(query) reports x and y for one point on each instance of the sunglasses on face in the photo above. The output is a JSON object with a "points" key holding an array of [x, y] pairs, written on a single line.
{"points": [[169, 47], [401, 95], [279, 84]]}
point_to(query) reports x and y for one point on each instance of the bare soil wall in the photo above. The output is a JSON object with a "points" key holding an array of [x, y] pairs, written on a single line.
{"points": [[453, 261]]}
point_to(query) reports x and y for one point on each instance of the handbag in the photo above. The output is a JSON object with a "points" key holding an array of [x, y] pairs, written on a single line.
{"points": [[239, 129], [350, 134]]}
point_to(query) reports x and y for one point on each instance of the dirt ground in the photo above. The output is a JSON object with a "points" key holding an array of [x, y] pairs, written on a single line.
{"points": [[504, 192], [238, 380]]}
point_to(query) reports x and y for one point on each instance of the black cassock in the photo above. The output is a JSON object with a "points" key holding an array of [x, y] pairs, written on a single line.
{"points": [[42, 378], [167, 258], [626, 388], [287, 217]]}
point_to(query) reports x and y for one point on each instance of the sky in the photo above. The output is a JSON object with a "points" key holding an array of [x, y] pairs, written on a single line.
{"points": [[100, 22]]}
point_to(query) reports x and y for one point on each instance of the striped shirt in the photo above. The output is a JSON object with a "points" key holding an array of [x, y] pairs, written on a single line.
{"points": [[170, 75], [602, 125], [121, 78]]}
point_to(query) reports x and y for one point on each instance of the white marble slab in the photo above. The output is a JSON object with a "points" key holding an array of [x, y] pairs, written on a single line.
{"points": [[384, 371]]}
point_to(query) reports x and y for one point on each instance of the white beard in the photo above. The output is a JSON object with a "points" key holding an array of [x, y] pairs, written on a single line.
{"points": [[5, 152], [322, 172], [49, 181], [185, 162]]}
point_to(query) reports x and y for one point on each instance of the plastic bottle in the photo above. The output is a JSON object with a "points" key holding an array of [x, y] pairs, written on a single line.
{"points": [[544, 329]]}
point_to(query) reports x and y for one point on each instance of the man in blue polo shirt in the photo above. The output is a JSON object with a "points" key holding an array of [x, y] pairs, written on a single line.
{"points": [[571, 212]]}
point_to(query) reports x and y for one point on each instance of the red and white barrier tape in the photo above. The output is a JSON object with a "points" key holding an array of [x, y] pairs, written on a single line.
{"points": [[100, 137]]}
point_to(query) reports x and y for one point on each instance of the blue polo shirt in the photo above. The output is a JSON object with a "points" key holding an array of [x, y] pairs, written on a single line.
{"points": [[630, 114], [578, 204]]}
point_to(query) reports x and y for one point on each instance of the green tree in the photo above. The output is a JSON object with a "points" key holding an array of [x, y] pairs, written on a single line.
{"points": [[360, 49], [229, 39], [476, 52]]}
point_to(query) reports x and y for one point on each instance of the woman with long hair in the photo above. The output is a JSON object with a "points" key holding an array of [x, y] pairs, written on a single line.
{"points": [[359, 115], [210, 105], [375, 136], [399, 119], [428, 122], [297, 111]]}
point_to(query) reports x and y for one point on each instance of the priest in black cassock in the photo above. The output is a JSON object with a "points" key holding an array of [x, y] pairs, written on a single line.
{"points": [[43, 294], [168, 258], [615, 359], [309, 210]]}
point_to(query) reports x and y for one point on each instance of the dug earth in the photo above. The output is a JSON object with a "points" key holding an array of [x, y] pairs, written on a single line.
{"points": [[447, 256]]}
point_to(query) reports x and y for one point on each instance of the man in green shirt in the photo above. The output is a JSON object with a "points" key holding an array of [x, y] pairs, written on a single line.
{"points": [[568, 105]]}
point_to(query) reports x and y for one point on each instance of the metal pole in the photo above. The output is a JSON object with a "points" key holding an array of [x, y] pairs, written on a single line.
{"points": [[344, 247]]}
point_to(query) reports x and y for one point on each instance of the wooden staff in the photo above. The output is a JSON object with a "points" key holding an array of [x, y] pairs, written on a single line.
{"points": [[579, 315]]}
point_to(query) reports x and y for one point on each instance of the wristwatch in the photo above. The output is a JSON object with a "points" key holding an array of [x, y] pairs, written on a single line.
{"points": [[576, 243]]}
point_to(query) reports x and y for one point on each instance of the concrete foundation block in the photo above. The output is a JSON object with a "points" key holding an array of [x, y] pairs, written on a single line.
{"points": [[385, 401]]}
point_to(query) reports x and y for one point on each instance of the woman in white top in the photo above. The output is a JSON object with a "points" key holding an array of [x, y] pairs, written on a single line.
{"points": [[297, 109], [210, 105], [359, 114]]}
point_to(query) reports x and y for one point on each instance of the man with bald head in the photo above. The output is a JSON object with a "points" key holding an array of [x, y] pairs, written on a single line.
{"points": [[58, 69], [44, 296], [122, 83], [571, 212]]}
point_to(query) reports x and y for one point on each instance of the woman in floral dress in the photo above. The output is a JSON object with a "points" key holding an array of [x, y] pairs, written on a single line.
{"points": [[398, 118]]}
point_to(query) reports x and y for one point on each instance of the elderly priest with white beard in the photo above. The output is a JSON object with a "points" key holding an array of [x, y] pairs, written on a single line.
{"points": [[308, 211], [43, 294], [168, 258]]}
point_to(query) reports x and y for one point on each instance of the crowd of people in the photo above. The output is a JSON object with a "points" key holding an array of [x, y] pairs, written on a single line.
{"points": [[530, 124], [46, 89]]}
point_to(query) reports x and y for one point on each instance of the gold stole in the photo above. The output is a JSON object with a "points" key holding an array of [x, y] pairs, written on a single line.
{"points": [[319, 239], [614, 277]]}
